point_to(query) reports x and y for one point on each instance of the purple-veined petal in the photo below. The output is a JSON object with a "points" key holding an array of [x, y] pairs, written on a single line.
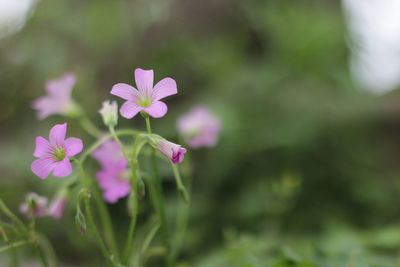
{"points": [[42, 147], [164, 88], [42, 167], [144, 81], [129, 109], [125, 91], [62, 168], [157, 109], [57, 134], [73, 146]]}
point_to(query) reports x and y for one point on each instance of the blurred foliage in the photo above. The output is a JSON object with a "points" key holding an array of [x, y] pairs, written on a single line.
{"points": [[306, 172]]}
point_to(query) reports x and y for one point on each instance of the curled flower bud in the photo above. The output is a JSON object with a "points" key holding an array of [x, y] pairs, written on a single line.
{"points": [[109, 113], [199, 127], [173, 151], [34, 205], [57, 206]]}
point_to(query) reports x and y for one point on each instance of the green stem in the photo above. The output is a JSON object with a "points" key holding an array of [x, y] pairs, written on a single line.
{"points": [[96, 233], [157, 198], [133, 163], [179, 184], [89, 127], [102, 209], [14, 245], [20, 225], [183, 214]]}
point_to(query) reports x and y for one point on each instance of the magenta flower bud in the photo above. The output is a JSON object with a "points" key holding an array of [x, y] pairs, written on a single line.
{"points": [[53, 156], [199, 128], [146, 98], [174, 152], [34, 205], [58, 99], [109, 113], [57, 206]]}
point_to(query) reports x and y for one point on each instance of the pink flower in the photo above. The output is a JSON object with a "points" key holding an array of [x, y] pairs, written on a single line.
{"points": [[58, 99], [147, 98], [34, 205], [113, 178], [173, 151], [54, 155], [199, 127], [57, 207]]}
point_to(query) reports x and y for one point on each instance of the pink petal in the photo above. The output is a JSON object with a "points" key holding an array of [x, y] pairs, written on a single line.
{"points": [[125, 91], [73, 146], [57, 134], [42, 167], [42, 147], [62, 168], [164, 88], [144, 81], [45, 107], [129, 109], [157, 109]]}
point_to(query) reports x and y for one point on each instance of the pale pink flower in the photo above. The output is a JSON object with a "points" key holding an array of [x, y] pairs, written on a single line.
{"points": [[57, 207], [34, 205], [146, 98], [58, 99], [54, 155], [199, 127], [113, 178]]}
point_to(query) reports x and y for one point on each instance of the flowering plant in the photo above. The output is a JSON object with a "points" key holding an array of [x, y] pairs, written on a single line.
{"points": [[122, 155]]}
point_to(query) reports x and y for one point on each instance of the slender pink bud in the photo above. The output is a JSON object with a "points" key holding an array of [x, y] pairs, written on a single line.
{"points": [[57, 206]]}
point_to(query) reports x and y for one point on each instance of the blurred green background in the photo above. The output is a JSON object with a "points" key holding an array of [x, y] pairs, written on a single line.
{"points": [[306, 172]]}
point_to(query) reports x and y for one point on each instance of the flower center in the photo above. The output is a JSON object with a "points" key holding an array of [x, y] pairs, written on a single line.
{"points": [[59, 154], [144, 102]]}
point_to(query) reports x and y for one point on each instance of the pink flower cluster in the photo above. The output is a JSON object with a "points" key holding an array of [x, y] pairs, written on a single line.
{"points": [[113, 178]]}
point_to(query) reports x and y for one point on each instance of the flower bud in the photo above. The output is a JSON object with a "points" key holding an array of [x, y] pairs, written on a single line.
{"points": [[109, 113], [80, 222], [34, 205], [173, 151]]}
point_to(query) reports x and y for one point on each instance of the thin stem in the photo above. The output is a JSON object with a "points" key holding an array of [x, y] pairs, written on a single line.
{"points": [[179, 184], [96, 233], [157, 198], [13, 217], [103, 211], [14, 245], [42, 255], [95, 145], [133, 163], [148, 125], [89, 127], [183, 214]]}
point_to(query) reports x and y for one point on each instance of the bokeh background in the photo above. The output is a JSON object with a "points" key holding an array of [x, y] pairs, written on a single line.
{"points": [[306, 171]]}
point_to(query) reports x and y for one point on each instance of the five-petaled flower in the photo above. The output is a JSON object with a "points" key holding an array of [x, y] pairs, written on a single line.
{"points": [[199, 127], [54, 155], [113, 178], [58, 99], [146, 97]]}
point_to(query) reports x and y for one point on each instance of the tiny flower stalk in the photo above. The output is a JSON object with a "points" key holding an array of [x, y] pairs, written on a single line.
{"points": [[134, 197]]}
